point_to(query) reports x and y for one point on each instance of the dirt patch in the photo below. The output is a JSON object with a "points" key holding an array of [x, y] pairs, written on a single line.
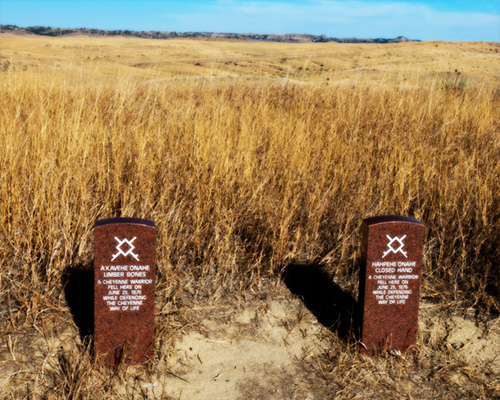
{"points": [[268, 345], [255, 349], [469, 340]]}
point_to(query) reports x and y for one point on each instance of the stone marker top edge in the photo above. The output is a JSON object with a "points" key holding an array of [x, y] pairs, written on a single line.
{"points": [[124, 220], [384, 219]]}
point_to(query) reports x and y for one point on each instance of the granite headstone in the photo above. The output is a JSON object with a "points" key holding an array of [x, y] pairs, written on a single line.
{"points": [[124, 290], [389, 285]]}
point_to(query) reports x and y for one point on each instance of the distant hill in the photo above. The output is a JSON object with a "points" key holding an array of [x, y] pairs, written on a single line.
{"points": [[287, 38]]}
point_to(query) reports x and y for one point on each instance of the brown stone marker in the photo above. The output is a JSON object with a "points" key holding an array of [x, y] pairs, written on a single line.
{"points": [[389, 285], [124, 290]]}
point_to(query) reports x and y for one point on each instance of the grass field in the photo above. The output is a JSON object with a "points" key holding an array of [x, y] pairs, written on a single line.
{"points": [[251, 158]]}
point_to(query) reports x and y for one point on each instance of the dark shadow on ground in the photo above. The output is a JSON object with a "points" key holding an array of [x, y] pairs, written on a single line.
{"points": [[79, 293], [334, 308]]}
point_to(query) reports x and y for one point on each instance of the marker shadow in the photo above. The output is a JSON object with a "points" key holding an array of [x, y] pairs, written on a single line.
{"points": [[79, 293], [334, 308]]}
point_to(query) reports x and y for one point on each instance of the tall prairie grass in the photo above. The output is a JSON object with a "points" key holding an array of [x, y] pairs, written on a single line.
{"points": [[243, 178]]}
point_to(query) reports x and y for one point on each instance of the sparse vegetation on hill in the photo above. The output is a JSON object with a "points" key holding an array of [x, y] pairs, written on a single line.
{"points": [[287, 38]]}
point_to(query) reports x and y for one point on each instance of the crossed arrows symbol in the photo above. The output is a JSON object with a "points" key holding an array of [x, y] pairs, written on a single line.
{"points": [[392, 249], [129, 251]]}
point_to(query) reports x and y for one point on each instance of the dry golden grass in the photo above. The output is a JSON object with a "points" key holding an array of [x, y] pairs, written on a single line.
{"points": [[112, 59], [273, 155]]}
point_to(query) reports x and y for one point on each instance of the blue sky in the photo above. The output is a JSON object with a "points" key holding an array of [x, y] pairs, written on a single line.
{"points": [[420, 19]]}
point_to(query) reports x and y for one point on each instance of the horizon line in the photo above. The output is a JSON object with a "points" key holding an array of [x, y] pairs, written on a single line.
{"points": [[402, 38]]}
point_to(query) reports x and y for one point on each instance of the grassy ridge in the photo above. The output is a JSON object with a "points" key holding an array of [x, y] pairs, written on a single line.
{"points": [[243, 178]]}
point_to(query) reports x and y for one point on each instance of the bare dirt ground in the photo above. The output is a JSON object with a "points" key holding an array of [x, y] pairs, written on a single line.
{"points": [[269, 344], [270, 351]]}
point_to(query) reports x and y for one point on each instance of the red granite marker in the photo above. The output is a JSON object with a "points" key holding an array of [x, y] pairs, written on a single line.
{"points": [[124, 290], [389, 285]]}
